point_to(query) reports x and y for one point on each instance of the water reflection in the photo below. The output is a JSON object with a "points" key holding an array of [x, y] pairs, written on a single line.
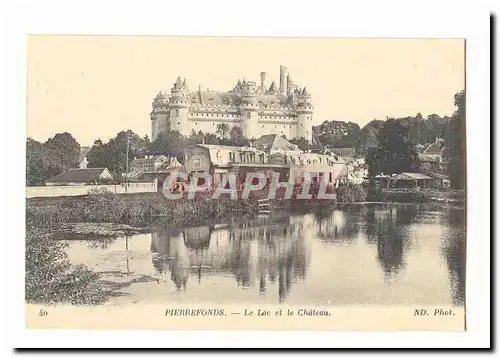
{"points": [[454, 252], [359, 254], [253, 254]]}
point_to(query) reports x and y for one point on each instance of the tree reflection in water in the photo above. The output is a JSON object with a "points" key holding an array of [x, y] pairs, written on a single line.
{"points": [[387, 229], [454, 252], [254, 254]]}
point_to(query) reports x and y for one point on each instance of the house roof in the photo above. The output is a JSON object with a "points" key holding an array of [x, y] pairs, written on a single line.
{"points": [[344, 152], [435, 148], [428, 158], [265, 141], [274, 141], [171, 163], [411, 176], [212, 98], [147, 160], [219, 154], [78, 175]]}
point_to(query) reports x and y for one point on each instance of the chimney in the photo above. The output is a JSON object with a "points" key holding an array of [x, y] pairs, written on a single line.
{"points": [[263, 79], [283, 80]]}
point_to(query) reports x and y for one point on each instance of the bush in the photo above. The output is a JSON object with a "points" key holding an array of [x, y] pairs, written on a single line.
{"points": [[351, 193], [50, 278]]}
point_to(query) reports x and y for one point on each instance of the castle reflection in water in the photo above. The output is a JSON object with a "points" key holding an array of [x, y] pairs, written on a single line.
{"points": [[260, 254], [252, 253]]}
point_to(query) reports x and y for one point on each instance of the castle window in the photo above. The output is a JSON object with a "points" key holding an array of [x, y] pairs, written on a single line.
{"points": [[275, 126], [302, 125], [178, 123]]}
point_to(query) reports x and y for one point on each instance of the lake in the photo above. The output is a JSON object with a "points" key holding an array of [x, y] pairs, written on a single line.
{"points": [[368, 254]]}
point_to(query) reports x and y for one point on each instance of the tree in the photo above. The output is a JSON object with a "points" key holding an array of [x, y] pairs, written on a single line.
{"points": [[45, 160], [64, 151], [395, 153], [36, 163], [113, 155], [455, 151], [222, 130], [339, 134], [301, 142], [171, 144], [369, 135], [237, 138]]}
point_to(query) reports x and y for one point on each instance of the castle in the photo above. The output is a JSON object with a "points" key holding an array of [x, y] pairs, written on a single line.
{"points": [[257, 110]]}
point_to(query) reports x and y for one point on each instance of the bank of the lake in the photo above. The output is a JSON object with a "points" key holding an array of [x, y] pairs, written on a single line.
{"points": [[350, 254]]}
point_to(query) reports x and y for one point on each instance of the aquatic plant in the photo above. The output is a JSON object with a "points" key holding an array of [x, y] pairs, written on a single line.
{"points": [[51, 278]]}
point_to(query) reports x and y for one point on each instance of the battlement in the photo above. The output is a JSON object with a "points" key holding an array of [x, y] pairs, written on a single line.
{"points": [[283, 110]]}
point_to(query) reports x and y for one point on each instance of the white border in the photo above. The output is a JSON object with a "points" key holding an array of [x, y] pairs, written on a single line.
{"points": [[250, 19]]}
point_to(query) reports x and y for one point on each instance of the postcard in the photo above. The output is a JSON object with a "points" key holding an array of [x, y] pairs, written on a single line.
{"points": [[236, 183]]}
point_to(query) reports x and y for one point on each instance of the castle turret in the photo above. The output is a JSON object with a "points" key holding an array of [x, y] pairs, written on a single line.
{"points": [[304, 115], [283, 80], [179, 107], [159, 115], [249, 109], [262, 88]]}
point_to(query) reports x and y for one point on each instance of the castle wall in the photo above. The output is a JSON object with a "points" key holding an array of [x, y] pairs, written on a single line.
{"points": [[257, 111]]}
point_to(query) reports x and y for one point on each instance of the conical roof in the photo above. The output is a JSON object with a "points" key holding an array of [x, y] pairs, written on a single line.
{"points": [[178, 82], [304, 92], [272, 88]]}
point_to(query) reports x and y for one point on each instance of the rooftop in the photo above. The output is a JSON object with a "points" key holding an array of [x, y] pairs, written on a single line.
{"points": [[411, 176], [78, 175]]}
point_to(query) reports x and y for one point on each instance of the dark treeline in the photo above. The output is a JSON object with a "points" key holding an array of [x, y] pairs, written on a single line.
{"points": [[45, 160], [389, 145], [393, 143]]}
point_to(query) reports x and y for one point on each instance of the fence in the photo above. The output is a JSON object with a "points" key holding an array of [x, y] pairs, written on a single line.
{"points": [[75, 190]]}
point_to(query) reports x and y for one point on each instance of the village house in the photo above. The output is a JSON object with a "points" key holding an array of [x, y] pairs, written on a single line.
{"points": [[431, 159], [81, 177], [432, 163], [273, 143], [412, 180], [218, 160]]}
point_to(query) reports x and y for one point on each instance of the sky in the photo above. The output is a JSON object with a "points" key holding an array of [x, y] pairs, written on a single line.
{"points": [[96, 86]]}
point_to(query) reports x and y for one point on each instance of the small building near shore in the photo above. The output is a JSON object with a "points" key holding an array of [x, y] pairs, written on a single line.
{"points": [[412, 180], [81, 177]]}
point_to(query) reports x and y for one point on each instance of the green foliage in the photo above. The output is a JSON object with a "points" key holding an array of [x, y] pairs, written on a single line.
{"points": [[455, 151], [222, 130], [369, 135], [45, 160], [113, 155], [394, 154], [237, 138], [50, 278], [103, 206], [351, 193], [339, 134], [301, 142]]}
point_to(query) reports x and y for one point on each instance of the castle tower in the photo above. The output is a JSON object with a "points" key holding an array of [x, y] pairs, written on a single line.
{"points": [[249, 109], [262, 88], [159, 116], [283, 80], [179, 107], [304, 116]]}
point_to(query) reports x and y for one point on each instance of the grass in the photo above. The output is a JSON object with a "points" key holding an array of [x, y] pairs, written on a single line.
{"points": [[50, 278]]}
